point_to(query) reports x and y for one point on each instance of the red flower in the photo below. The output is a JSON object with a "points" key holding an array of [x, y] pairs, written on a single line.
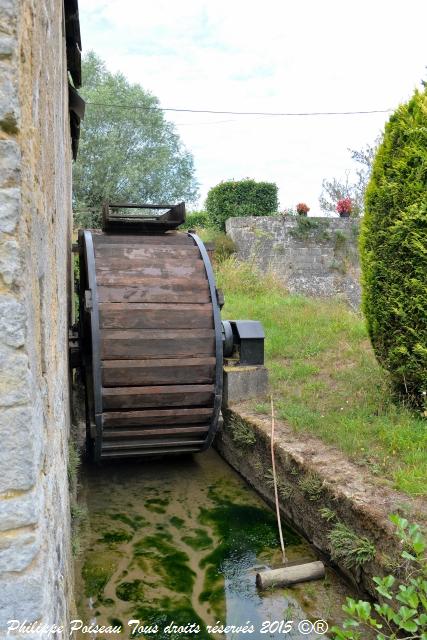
{"points": [[302, 208], [344, 206]]}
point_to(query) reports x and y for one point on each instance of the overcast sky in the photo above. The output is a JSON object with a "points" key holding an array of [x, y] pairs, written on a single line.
{"points": [[275, 56]]}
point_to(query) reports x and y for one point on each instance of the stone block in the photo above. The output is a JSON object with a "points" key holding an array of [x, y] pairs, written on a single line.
{"points": [[244, 383], [21, 598], [17, 550], [14, 377], [10, 158], [20, 510], [12, 321], [10, 261], [10, 209], [9, 106], [8, 13], [20, 435]]}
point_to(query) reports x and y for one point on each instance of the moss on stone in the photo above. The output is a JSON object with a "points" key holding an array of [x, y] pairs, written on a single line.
{"points": [[9, 125]]}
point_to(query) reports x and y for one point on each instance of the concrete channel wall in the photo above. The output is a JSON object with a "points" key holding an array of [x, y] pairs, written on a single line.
{"points": [[35, 232], [320, 490], [312, 256]]}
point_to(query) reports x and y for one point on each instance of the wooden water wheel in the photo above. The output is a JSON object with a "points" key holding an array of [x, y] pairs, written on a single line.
{"points": [[151, 336]]}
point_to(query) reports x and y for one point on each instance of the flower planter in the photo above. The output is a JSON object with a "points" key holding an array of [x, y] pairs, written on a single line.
{"points": [[345, 214]]}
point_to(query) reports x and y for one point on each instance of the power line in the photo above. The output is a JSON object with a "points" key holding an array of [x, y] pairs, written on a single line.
{"points": [[240, 113]]}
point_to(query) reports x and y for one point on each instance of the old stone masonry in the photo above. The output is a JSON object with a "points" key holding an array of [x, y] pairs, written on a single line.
{"points": [[311, 256], [35, 236]]}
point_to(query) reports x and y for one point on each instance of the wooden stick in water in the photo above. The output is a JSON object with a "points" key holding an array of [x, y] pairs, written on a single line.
{"points": [[276, 493]]}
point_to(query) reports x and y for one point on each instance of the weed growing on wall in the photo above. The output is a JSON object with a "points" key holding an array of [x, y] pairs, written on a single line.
{"points": [[309, 227], [285, 489], [327, 514], [311, 486], [241, 432], [348, 548]]}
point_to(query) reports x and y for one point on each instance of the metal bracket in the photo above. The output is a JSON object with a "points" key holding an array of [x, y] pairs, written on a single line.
{"points": [[220, 298]]}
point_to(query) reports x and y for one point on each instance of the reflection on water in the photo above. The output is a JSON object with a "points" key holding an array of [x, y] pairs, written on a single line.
{"points": [[177, 541]]}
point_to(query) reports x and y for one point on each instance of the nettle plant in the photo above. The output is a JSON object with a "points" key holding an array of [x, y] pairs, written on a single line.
{"points": [[401, 610]]}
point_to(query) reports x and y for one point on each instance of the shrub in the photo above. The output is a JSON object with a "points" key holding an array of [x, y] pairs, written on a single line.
{"points": [[240, 198], [393, 246], [224, 247], [196, 219]]}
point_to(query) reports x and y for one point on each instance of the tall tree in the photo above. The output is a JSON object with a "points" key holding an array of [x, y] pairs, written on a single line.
{"points": [[393, 249], [127, 151]]}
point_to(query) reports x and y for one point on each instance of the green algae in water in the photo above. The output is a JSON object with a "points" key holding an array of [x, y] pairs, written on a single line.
{"points": [[162, 617], [222, 490], [242, 529], [115, 622], [177, 522], [136, 522], [96, 572], [130, 591], [111, 537], [169, 562], [157, 505], [108, 602], [199, 541]]}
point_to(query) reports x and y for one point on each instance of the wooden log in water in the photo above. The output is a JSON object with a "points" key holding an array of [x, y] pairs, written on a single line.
{"points": [[290, 574]]}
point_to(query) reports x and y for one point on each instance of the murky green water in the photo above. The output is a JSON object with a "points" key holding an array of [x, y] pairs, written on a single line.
{"points": [[176, 541]]}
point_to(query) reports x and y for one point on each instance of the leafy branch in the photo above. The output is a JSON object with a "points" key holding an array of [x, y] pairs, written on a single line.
{"points": [[401, 610]]}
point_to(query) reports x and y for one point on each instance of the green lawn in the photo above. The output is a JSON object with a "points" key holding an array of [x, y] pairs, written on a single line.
{"points": [[325, 378]]}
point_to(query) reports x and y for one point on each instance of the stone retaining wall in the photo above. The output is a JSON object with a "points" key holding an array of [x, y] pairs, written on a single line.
{"points": [[312, 256], [35, 232]]}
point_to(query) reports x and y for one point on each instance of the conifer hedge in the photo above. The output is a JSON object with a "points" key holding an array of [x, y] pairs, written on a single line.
{"points": [[240, 198], [393, 246]]}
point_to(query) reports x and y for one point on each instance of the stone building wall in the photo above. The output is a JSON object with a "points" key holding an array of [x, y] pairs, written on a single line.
{"points": [[35, 234], [312, 256]]}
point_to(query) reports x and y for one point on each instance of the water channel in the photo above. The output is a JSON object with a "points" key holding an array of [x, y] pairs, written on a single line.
{"points": [[176, 542]]}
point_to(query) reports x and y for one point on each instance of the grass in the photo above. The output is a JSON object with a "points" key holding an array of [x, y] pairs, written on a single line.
{"points": [[325, 378]]}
